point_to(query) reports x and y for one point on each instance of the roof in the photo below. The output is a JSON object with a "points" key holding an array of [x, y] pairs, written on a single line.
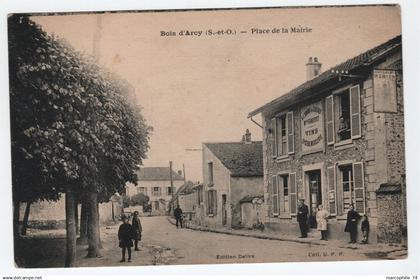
{"points": [[157, 174], [250, 198], [362, 60], [186, 188], [242, 159]]}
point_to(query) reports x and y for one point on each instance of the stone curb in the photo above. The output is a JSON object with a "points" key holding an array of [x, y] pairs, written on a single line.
{"points": [[310, 242], [250, 235]]}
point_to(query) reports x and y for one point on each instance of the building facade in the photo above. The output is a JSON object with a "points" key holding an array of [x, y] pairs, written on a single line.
{"points": [[155, 182], [337, 140], [231, 171]]}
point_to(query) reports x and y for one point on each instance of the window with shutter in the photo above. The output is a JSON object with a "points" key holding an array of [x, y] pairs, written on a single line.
{"points": [[359, 187], [215, 202], [330, 119], [273, 138], [355, 120], [274, 196], [332, 197], [293, 193], [290, 133]]}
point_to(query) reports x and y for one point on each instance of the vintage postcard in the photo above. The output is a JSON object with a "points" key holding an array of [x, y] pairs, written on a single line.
{"points": [[210, 136]]}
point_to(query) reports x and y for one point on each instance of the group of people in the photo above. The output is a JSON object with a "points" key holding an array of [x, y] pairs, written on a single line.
{"points": [[129, 232], [321, 220]]}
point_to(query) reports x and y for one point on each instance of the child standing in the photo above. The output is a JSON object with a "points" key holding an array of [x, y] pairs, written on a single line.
{"points": [[125, 236], [365, 229]]}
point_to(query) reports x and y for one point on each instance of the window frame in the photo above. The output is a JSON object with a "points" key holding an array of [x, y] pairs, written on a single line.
{"points": [[282, 134], [210, 173]]}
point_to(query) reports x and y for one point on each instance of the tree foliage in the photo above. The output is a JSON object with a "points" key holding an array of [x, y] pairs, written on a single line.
{"points": [[71, 124]]}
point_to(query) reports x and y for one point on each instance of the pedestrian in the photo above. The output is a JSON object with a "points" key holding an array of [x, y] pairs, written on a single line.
{"points": [[351, 225], [302, 218], [178, 216], [322, 221], [125, 236], [365, 229], [137, 230]]}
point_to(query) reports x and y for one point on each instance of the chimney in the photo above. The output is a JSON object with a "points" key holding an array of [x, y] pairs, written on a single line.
{"points": [[313, 68], [246, 138]]}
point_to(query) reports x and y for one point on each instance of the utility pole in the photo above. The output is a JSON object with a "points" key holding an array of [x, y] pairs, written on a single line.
{"points": [[172, 180], [183, 172]]}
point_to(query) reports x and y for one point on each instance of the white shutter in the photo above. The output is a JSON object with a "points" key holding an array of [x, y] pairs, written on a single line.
{"points": [[332, 196], [293, 193], [290, 133], [355, 119], [275, 195], [359, 187], [273, 137], [329, 108]]}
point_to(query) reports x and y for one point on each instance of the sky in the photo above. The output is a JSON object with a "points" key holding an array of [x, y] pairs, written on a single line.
{"points": [[201, 89]]}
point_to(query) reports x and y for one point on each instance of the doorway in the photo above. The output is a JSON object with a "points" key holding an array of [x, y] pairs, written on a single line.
{"points": [[315, 189], [224, 210]]}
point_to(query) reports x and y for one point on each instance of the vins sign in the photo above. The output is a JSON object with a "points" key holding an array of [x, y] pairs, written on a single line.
{"points": [[312, 128]]}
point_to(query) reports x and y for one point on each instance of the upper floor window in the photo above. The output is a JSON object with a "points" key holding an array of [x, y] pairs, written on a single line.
{"points": [[343, 119], [210, 172], [168, 190], [282, 131], [156, 191], [142, 190]]}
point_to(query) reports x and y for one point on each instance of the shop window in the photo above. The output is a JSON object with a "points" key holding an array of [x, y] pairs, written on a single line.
{"points": [[347, 186], [156, 205], [350, 188], [284, 181]]}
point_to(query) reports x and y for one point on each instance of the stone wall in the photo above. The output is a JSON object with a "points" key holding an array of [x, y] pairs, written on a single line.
{"points": [[390, 221]]}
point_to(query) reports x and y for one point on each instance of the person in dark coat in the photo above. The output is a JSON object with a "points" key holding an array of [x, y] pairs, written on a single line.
{"points": [[365, 229], [302, 218], [125, 237], [178, 216], [137, 230], [351, 225]]}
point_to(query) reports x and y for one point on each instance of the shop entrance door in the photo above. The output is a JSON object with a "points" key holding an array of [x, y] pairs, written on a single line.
{"points": [[315, 191]]}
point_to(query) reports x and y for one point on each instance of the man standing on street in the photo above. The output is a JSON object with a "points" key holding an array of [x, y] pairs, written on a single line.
{"points": [[302, 218], [178, 216]]}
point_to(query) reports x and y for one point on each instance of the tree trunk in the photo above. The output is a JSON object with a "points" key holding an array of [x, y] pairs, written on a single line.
{"points": [[16, 217], [25, 219], [83, 223], [93, 226], [76, 215], [70, 230], [99, 228]]}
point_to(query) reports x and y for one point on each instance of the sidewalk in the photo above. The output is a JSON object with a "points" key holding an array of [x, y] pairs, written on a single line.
{"points": [[379, 251]]}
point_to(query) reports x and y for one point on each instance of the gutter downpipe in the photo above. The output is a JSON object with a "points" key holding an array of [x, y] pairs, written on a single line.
{"points": [[254, 121]]}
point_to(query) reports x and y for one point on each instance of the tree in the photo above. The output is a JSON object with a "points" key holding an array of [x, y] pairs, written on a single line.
{"points": [[139, 199], [73, 131]]}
